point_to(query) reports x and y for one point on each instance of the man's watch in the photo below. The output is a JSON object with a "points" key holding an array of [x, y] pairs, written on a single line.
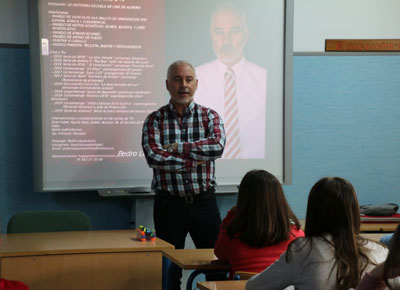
{"points": [[170, 148]]}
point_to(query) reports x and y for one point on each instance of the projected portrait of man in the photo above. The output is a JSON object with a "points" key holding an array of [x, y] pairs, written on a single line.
{"points": [[234, 86]]}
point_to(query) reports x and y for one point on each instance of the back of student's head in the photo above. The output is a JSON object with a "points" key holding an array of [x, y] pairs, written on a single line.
{"points": [[262, 214], [333, 211], [393, 258], [332, 208]]}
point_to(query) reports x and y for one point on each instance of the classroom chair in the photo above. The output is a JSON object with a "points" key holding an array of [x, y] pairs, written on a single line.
{"points": [[166, 273], [242, 275], [49, 221]]}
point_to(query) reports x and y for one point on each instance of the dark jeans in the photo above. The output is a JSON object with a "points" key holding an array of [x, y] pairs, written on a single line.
{"points": [[175, 217]]}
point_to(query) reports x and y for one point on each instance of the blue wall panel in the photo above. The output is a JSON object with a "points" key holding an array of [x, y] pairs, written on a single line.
{"points": [[346, 122]]}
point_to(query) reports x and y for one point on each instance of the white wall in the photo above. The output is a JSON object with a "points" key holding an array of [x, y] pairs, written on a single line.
{"points": [[317, 20]]}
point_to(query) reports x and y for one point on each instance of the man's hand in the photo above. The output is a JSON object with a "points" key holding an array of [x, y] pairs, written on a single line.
{"points": [[171, 148]]}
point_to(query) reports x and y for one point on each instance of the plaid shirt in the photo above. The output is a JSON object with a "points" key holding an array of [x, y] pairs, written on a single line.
{"points": [[200, 136]]}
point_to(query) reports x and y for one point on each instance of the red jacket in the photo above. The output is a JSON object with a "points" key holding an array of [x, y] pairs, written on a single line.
{"points": [[242, 257], [12, 285]]}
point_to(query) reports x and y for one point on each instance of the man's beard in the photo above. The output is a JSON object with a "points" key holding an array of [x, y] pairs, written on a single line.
{"points": [[228, 54], [184, 101]]}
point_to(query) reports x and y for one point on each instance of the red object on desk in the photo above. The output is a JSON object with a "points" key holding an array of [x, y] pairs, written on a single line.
{"points": [[380, 219]]}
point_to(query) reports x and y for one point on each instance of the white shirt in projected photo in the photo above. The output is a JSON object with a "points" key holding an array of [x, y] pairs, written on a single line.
{"points": [[251, 82], [234, 86]]}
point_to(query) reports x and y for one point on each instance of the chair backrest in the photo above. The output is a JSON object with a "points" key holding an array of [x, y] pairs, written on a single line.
{"points": [[49, 221], [242, 275]]}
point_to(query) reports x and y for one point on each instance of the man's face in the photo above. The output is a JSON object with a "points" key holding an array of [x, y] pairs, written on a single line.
{"points": [[181, 84], [229, 35]]}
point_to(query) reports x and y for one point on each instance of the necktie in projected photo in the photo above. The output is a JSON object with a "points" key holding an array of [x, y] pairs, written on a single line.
{"points": [[232, 146]]}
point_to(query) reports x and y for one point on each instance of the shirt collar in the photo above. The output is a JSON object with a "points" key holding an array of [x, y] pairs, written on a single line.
{"points": [[237, 68], [189, 109]]}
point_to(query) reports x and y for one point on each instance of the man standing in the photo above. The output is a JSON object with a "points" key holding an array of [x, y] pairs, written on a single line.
{"points": [[181, 140], [234, 86]]}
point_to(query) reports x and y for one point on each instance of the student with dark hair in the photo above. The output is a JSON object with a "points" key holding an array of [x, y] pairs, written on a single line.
{"points": [[332, 255], [378, 278], [258, 229]]}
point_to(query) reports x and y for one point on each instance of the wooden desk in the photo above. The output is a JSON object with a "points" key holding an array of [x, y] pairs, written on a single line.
{"points": [[373, 236], [369, 227], [82, 260], [378, 227], [194, 259], [222, 285], [200, 260]]}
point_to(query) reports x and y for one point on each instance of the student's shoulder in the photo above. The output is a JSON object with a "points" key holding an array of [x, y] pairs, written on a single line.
{"points": [[300, 244], [299, 250], [374, 246], [307, 244], [230, 215], [296, 232], [376, 251]]}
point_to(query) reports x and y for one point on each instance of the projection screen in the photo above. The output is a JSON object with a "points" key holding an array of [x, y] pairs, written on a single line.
{"points": [[98, 68]]}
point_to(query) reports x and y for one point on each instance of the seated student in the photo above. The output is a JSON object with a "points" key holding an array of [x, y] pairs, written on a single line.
{"points": [[378, 278], [10, 284], [258, 229], [332, 255]]}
